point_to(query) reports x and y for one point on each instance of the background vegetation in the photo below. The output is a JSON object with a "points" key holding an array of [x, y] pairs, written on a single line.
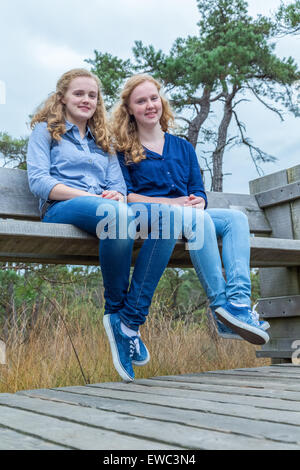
{"points": [[51, 321]]}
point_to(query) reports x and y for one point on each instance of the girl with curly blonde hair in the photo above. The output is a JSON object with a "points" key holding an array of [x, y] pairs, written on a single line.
{"points": [[78, 181], [124, 125], [162, 168], [53, 110]]}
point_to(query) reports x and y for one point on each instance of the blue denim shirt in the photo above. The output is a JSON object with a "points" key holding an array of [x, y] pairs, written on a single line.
{"points": [[75, 162], [173, 174]]}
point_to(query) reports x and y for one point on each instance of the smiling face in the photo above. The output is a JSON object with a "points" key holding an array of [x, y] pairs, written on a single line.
{"points": [[145, 105], [80, 99]]}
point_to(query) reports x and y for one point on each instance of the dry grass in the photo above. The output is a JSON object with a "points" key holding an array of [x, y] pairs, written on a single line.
{"points": [[44, 358]]}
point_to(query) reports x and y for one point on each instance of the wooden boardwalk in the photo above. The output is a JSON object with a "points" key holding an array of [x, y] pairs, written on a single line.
{"points": [[257, 408]]}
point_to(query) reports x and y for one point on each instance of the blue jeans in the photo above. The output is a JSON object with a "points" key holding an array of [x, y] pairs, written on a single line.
{"points": [[115, 253], [133, 302], [232, 227]]}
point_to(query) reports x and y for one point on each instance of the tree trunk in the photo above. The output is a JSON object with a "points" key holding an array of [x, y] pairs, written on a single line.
{"points": [[217, 180], [196, 124]]}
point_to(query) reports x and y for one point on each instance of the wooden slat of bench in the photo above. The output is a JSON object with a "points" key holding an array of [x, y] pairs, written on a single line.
{"points": [[16, 201], [65, 244], [289, 192]]}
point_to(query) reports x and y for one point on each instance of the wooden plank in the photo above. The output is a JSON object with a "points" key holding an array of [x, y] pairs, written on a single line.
{"points": [[286, 378], [170, 433], [263, 252], [260, 402], [282, 368], [251, 382], [274, 252], [12, 440], [16, 199], [278, 281], [234, 389], [294, 175], [203, 420], [284, 279], [62, 244], [229, 409], [276, 352], [286, 193], [245, 203], [255, 425], [18, 202], [72, 434], [287, 306], [279, 217]]}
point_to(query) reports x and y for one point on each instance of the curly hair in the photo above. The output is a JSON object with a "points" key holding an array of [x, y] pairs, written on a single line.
{"points": [[52, 111], [123, 126]]}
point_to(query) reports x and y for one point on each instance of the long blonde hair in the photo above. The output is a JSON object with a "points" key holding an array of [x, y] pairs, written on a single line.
{"points": [[52, 111], [123, 125]]}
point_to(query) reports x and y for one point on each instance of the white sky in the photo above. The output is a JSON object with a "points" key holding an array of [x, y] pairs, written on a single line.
{"points": [[41, 40]]}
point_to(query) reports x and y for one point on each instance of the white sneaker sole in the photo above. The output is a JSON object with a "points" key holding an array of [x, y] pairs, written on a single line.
{"points": [[114, 350], [238, 337], [250, 333]]}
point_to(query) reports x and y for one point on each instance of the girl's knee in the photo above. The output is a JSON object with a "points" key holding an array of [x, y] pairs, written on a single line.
{"points": [[239, 217]]}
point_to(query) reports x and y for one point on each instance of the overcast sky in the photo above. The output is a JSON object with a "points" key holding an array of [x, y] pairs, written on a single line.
{"points": [[41, 40]]}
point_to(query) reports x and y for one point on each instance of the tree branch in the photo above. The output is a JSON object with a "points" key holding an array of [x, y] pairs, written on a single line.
{"points": [[276, 111], [260, 155]]}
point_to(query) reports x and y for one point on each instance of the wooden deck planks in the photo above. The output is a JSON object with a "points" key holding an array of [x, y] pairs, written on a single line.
{"points": [[255, 408]]}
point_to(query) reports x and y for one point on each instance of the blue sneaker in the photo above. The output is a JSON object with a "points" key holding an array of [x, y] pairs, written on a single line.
{"points": [[122, 346], [255, 315], [225, 332], [141, 354], [241, 321]]}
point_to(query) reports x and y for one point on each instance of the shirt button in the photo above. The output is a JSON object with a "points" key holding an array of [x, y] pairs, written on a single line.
{"points": [[90, 161]]}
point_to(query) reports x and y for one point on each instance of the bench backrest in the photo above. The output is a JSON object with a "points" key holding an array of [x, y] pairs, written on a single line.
{"points": [[17, 202]]}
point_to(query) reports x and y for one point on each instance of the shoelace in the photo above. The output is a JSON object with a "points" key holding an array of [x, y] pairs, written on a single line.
{"points": [[134, 345], [255, 314]]}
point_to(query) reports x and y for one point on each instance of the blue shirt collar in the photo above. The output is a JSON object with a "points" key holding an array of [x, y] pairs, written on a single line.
{"points": [[70, 125]]}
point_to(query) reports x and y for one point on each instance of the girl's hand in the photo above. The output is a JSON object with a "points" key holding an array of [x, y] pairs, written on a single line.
{"points": [[178, 201], [114, 195], [195, 201]]}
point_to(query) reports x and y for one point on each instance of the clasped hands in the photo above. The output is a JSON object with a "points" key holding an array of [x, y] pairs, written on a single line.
{"points": [[114, 195], [196, 202]]}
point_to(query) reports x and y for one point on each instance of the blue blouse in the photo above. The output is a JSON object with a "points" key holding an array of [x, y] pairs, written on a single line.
{"points": [[76, 162], [173, 174]]}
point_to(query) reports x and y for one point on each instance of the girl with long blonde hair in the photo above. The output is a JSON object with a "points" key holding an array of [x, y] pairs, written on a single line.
{"points": [[162, 168], [78, 180]]}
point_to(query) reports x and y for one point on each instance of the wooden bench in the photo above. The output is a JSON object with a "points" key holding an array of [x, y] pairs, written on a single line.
{"points": [[273, 211]]}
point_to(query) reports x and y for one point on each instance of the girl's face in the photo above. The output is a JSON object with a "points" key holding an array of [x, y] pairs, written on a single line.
{"points": [[145, 105], [80, 99]]}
